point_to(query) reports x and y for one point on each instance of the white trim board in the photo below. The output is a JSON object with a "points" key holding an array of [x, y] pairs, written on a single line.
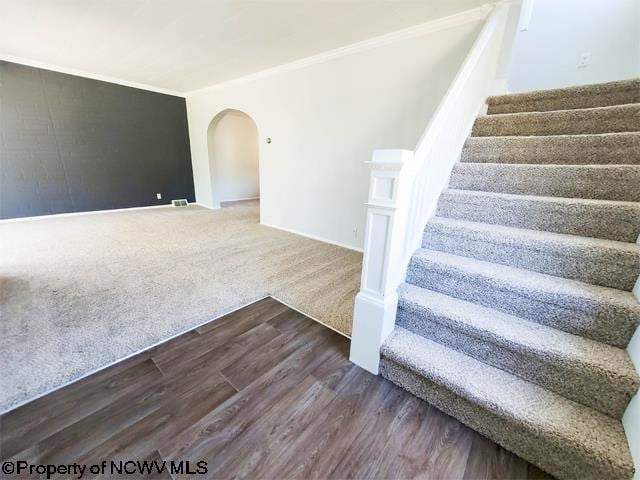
{"points": [[313, 237], [75, 214], [240, 199], [435, 25], [431, 26], [204, 206], [92, 76]]}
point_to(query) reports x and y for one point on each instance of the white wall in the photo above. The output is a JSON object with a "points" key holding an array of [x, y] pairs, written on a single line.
{"points": [[325, 119], [547, 55], [631, 419], [233, 157]]}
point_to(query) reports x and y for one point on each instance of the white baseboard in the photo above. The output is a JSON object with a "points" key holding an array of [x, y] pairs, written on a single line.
{"points": [[204, 206], [240, 199], [75, 214], [313, 237]]}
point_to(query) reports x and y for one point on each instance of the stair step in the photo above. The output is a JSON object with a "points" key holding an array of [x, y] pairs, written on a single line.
{"points": [[592, 373], [591, 260], [605, 148], [584, 96], [599, 182], [599, 313], [606, 219], [619, 118], [562, 437]]}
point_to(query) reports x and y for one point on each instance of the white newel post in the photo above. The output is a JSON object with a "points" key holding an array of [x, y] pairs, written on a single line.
{"points": [[375, 306]]}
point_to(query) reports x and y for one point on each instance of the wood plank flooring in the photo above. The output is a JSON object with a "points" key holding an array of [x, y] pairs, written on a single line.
{"points": [[263, 392]]}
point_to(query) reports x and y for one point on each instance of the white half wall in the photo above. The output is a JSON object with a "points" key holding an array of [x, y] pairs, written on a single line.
{"points": [[547, 54], [325, 119], [631, 419], [233, 157]]}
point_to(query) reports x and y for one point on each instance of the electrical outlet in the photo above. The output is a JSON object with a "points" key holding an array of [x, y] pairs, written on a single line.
{"points": [[585, 58], [355, 232], [159, 196]]}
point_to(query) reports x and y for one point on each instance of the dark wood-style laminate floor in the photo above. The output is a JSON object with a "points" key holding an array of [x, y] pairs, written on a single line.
{"points": [[263, 392]]}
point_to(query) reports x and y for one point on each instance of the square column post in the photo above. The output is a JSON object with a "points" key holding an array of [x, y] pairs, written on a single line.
{"points": [[390, 184]]}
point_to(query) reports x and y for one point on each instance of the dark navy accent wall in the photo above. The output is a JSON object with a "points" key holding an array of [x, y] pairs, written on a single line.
{"points": [[72, 144]]}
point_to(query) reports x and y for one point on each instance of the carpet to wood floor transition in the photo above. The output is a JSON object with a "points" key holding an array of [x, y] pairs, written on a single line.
{"points": [[263, 393], [79, 293]]}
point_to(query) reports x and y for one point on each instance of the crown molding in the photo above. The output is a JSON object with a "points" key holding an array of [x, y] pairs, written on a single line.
{"points": [[474, 14], [80, 73]]}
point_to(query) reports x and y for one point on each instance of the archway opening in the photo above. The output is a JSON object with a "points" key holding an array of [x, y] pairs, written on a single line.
{"points": [[233, 158]]}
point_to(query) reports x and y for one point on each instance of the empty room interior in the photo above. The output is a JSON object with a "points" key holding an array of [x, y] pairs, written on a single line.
{"points": [[330, 239]]}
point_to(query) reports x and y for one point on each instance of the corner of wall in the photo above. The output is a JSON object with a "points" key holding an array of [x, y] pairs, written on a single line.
{"points": [[631, 418]]}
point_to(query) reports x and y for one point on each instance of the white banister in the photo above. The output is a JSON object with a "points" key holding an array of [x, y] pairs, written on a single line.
{"points": [[404, 187]]}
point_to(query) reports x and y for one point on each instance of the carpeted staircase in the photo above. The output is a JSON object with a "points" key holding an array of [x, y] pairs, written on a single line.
{"points": [[517, 309]]}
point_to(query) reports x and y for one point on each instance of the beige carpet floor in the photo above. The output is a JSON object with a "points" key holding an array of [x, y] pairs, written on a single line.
{"points": [[78, 293]]}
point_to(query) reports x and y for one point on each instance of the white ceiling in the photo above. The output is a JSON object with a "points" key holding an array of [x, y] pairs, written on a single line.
{"points": [[183, 45]]}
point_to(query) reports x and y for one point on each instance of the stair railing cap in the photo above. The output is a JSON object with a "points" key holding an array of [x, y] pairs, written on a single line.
{"points": [[390, 159]]}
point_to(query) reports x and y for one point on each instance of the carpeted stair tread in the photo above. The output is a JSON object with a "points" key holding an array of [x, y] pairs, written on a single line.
{"points": [[599, 182], [592, 373], [606, 219], [600, 313], [618, 118], [600, 262], [583, 96], [561, 436], [517, 310], [605, 148]]}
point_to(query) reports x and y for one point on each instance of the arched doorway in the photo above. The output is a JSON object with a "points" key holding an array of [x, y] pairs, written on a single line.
{"points": [[232, 139]]}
